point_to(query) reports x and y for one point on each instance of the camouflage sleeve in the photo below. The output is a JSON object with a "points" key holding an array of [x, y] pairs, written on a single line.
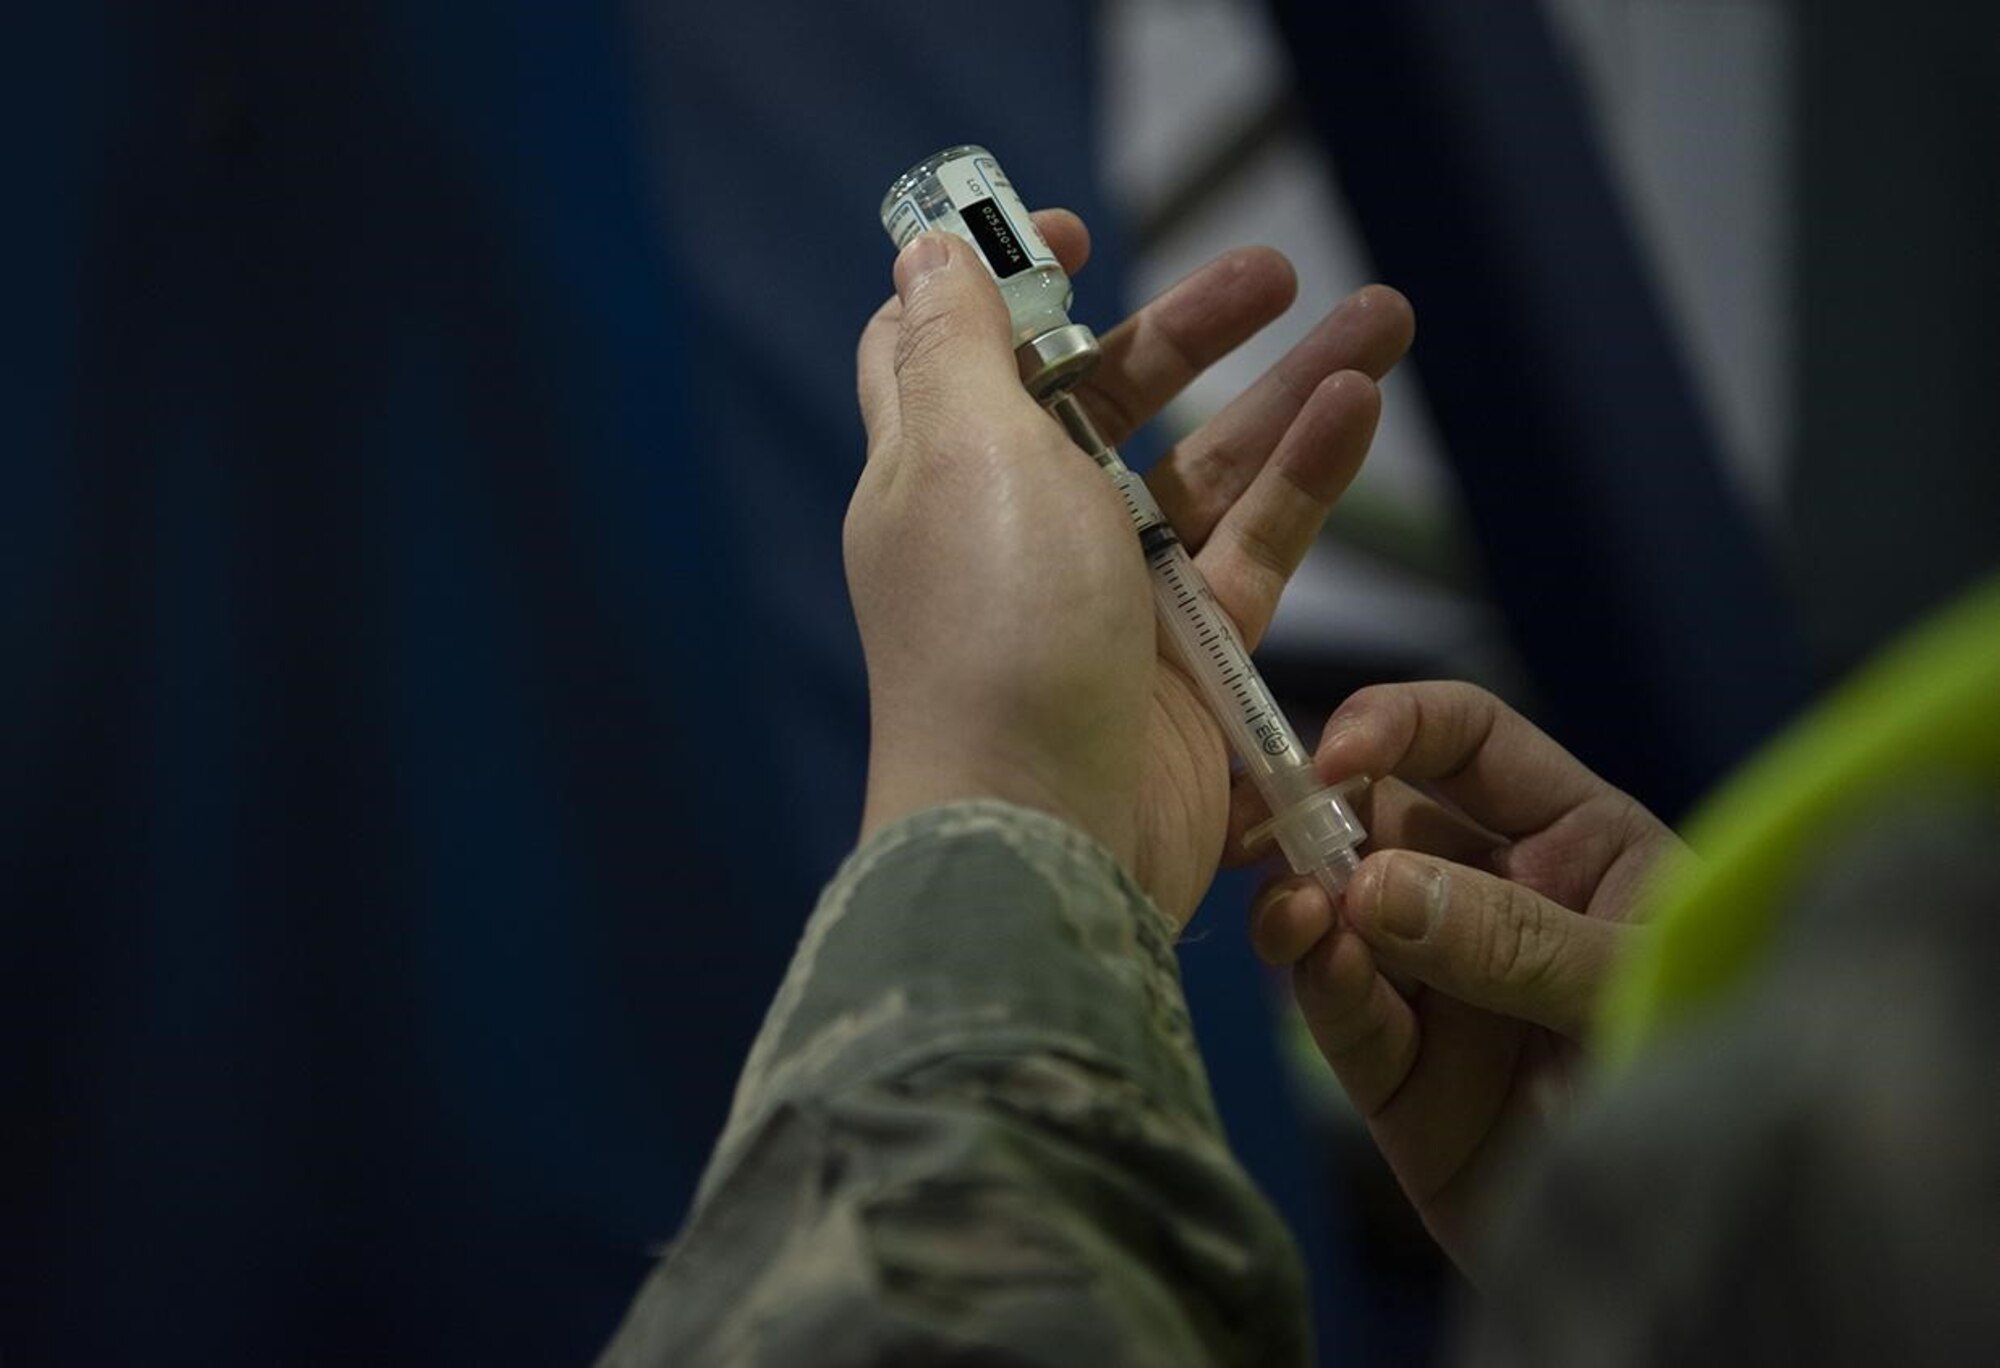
{"points": [[975, 1124]]}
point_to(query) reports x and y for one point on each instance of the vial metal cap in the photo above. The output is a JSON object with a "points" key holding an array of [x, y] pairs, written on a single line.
{"points": [[1057, 359]]}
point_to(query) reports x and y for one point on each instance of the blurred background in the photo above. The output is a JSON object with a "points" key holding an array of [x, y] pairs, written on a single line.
{"points": [[429, 705]]}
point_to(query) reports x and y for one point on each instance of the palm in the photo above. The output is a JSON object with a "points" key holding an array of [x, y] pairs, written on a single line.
{"points": [[1183, 797]]}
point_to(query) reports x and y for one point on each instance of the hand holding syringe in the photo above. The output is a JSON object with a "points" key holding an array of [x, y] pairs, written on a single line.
{"points": [[1312, 823], [962, 191]]}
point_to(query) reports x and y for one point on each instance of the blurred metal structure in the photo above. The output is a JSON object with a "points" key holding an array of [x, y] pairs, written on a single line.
{"points": [[1632, 580], [1895, 499]]}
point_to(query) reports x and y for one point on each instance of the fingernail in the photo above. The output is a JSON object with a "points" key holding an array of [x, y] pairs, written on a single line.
{"points": [[1412, 901], [1267, 904], [926, 253]]}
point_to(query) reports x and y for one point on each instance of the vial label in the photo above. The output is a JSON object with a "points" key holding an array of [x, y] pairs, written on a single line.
{"points": [[905, 223], [990, 215], [995, 237]]}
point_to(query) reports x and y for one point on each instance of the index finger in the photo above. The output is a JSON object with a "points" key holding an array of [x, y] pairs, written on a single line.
{"points": [[1199, 480], [1154, 355], [1466, 745]]}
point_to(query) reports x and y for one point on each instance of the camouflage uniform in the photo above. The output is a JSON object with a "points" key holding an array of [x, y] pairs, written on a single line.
{"points": [[975, 1125]]}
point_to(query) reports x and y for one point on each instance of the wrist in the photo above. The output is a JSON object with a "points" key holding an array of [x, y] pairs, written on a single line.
{"points": [[1101, 806]]}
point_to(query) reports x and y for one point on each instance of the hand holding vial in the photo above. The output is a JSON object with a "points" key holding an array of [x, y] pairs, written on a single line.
{"points": [[1002, 598]]}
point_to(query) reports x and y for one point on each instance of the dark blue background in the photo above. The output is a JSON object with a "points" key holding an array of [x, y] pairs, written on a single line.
{"points": [[430, 704], [428, 701]]}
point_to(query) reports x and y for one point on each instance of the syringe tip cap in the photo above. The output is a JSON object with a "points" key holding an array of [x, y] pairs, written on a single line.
{"points": [[1334, 875], [1317, 833]]}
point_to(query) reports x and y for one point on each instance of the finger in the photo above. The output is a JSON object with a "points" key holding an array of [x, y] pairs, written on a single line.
{"points": [[1066, 236], [875, 374], [1504, 772], [1483, 940], [1203, 475], [1460, 1156], [1247, 811], [1444, 1111], [1365, 1031], [1288, 917], [1292, 915], [1266, 533], [953, 357], [1153, 355], [1399, 817], [1395, 816]]}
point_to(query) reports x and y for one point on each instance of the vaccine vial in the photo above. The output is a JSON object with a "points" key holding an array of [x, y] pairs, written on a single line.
{"points": [[963, 191]]}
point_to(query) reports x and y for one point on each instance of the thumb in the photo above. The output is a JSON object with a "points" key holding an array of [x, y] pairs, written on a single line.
{"points": [[1482, 939], [954, 356]]}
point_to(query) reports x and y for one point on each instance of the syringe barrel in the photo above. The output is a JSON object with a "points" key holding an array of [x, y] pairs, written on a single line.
{"points": [[1314, 825], [1218, 662]]}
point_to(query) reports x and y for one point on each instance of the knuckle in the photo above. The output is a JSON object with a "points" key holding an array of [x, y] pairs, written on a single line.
{"points": [[1519, 946], [1458, 720], [1394, 704], [1467, 695], [1355, 1032], [1335, 983], [1245, 592], [1196, 482], [1374, 695], [1268, 560], [923, 336]]}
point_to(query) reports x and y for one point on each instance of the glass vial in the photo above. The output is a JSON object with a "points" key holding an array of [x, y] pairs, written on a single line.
{"points": [[962, 190]]}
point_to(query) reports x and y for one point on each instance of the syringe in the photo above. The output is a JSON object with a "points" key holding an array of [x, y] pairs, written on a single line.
{"points": [[962, 191]]}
